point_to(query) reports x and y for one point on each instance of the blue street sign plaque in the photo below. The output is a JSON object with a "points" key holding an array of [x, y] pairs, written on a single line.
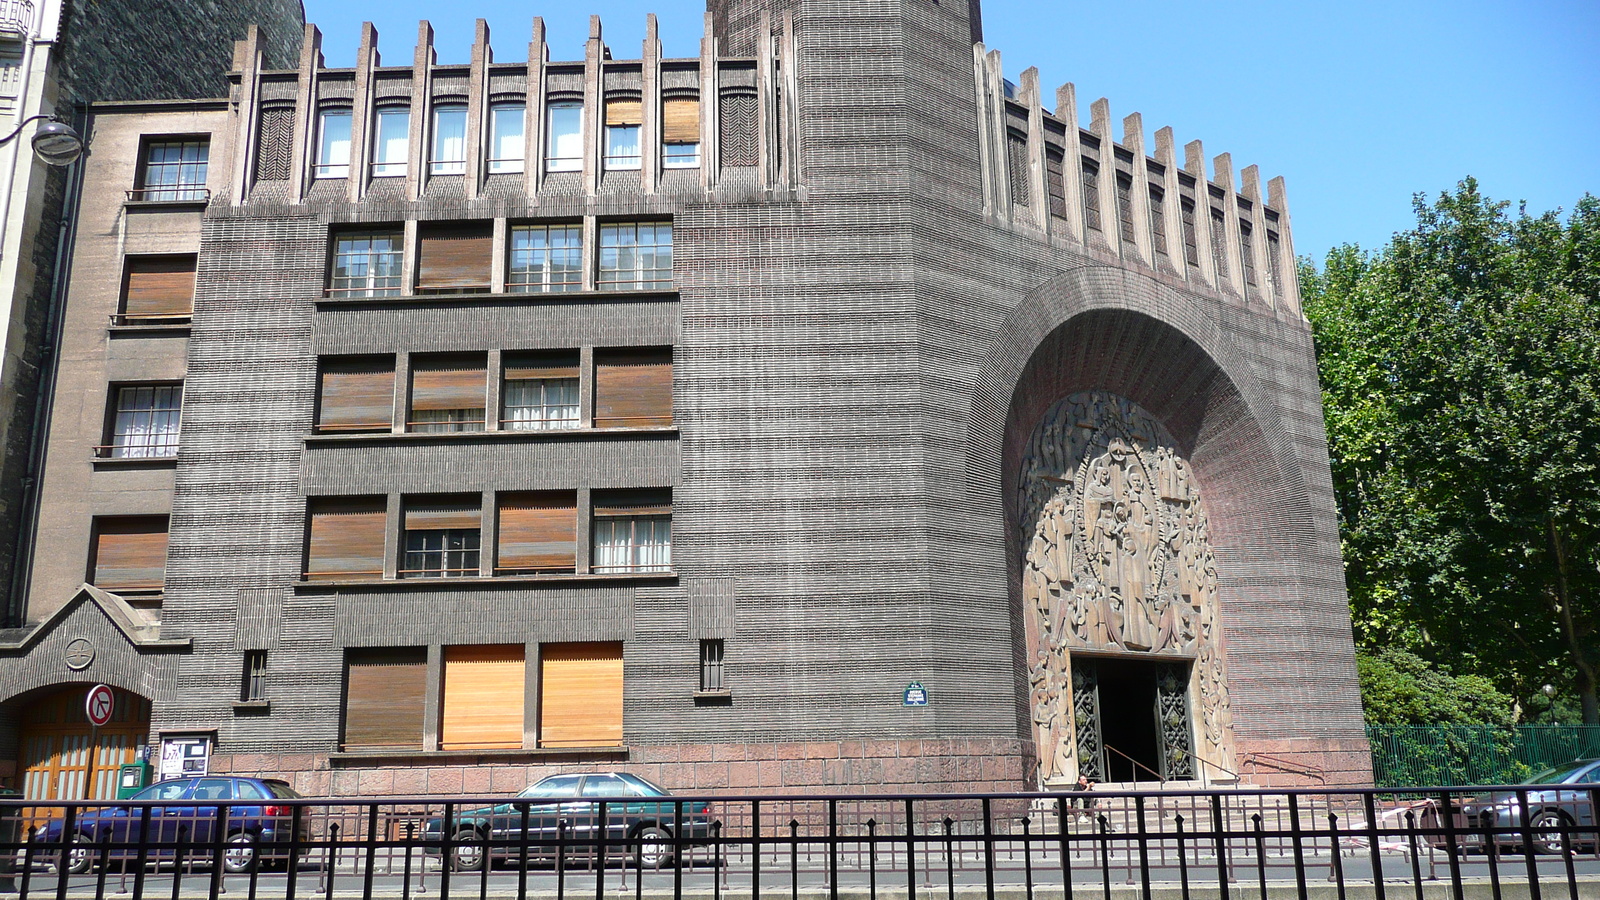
{"points": [[916, 694]]}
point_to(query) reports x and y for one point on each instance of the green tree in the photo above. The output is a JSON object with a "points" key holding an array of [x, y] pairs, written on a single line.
{"points": [[1400, 688], [1461, 373]]}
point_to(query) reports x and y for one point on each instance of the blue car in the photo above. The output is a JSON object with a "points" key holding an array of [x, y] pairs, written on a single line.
{"points": [[256, 823]]}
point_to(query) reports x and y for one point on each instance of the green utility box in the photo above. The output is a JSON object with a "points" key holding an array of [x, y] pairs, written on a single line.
{"points": [[133, 778]]}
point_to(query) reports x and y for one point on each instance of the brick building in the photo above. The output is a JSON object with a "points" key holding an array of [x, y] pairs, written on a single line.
{"points": [[823, 411]]}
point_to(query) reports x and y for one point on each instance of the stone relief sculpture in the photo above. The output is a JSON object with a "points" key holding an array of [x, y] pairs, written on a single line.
{"points": [[1117, 558]]}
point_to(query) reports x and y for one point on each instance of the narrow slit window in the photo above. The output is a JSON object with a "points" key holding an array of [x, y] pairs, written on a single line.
{"points": [[449, 155], [680, 133], [711, 679], [623, 119], [254, 688], [1158, 220], [506, 138], [391, 142], [1091, 194], [564, 137], [333, 144]]}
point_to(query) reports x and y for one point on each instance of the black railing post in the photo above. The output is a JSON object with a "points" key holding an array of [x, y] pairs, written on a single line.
{"points": [[27, 866], [988, 849], [794, 859], [1411, 843], [522, 855], [1374, 846], [1063, 841], [69, 830], [718, 873], [1295, 842], [143, 855], [1224, 867], [833, 848], [1335, 857], [330, 859], [1027, 856], [1566, 856], [295, 819], [1452, 846], [601, 849], [1105, 853], [447, 847], [1144, 848], [104, 854], [219, 839], [178, 857], [949, 858], [1183, 862], [911, 852], [487, 856], [561, 859], [1491, 855], [1527, 844], [755, 850], [372, 850], [872, 859]]}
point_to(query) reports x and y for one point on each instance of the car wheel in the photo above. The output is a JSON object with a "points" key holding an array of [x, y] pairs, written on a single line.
{"points": [[240, 853], [80, 857], [653, 848], [1546, 828], [467, 854]]}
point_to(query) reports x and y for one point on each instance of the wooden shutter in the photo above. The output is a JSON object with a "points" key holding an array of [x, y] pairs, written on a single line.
{"points": [[356, 396], [633, 503], [633, 389], [158, 287], [580, 695], [385, 696], [442, 513], [538, 532], [130, 553], [556, 365], [680, 122], [345, 538], [449, 384], [624, 112], [483, 697], [455, 257]]}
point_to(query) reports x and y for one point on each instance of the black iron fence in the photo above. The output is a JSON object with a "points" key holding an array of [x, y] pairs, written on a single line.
{"points": [[1533, 841]]}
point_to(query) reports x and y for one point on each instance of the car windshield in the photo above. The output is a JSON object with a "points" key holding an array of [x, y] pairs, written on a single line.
{"points": [[1556, 774], [554, 786]]}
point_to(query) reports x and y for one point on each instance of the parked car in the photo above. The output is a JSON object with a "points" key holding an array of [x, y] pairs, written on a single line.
{"points": [[255, 822], [1551, 807], [640, 817]]}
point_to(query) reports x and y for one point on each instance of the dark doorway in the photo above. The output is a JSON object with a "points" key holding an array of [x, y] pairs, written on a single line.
{"points": [[1129, 730]]}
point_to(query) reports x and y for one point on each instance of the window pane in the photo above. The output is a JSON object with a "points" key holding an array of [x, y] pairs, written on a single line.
{"points": [[392, 140], [366, 264], [622, 146], [541, 404], [449, 140], [146, 423], [564, 151], [175, 170], [506, 141], [636, 256], [446, 553], [632, 544], [545, 258], [683, 156], [333, 148]]}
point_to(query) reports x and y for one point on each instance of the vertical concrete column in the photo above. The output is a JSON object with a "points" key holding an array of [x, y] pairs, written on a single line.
{"points": [[393, 536], [1266, 279], [710, 145], [367, 59], [650, 108], [530, 696], [408, 257], [488, 527], [585, 531], [1038, 184], [305, 114], [533, 120], [493, 366], [402, 392], [246, 113], [1139, 203], [1072, 161], [985, 104], [1222, 174], [789, 72], [589, 253], [586, 386], [1171, 199], [995, 136], [478, 109], [593, 106], [497, 260], [1194, 162], [766, 109], [1289, 279], [434, 705], [421, 131], [1110, 215]]}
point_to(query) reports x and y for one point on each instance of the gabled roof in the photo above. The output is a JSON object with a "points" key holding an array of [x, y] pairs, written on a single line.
{"points": [[140, 633]]}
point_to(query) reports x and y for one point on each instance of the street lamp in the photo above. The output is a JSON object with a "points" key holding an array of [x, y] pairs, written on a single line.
{"points": [[55, 143]]}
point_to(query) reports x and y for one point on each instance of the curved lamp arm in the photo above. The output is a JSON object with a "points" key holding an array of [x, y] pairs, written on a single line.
{"points": [[24, 124], [55, 143]]}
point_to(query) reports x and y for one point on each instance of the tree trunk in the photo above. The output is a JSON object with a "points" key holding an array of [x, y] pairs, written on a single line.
{"points": [[1586, 678]]}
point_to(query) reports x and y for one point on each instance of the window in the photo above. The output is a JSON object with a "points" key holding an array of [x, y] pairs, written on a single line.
{"points": [[174, 170], [545, 258], [333, 144], [607, 786], [633, 388], [157, 290], [449, 141], [622, 133], [454, 257], [254, 687], [680, 133], [391, 142], [540, 392], [145, 422], [448, 393], [1017, 167], [441, 537], [1125, 207], [366, 264], [1158, 220], [506, 142], [632, 533], [1091, 194], [1247, 254], [344, 538], [355, 395], [483, 697], [538, 533], [564, 138], [580, 695], [1191, 242], [385, 697], [1274, 262], [1055, 181], [1219, 242], [711, 665], [636, 256], [129, 553]]}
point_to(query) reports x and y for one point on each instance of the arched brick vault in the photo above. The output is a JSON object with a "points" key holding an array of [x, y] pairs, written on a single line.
{"points": [[1104, 328]]}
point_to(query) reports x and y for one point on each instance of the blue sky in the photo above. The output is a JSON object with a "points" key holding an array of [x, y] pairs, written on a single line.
{"points": [[1359, 105]]}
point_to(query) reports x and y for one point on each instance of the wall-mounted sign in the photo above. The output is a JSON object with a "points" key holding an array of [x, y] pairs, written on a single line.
{"points": [[916, 694], [184, 756]]}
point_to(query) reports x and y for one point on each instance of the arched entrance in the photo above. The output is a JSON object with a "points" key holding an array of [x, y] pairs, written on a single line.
{"points": [[63, 757]]}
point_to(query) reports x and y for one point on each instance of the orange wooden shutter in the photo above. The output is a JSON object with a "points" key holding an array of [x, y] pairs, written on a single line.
{"points": [[357, 396], [538, 533], [483, 697], [633, 503], [580, 695], [680, 122], [441, 513], [544, 365], [158, 287], [345, 538], [385, 697], [449, 384], [624, 112], [633, 389], [130, 553], [455, 256]]}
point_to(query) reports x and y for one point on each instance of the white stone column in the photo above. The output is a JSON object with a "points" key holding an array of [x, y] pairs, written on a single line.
{"points": [[1289, 278], [1194, 162], [1171, 200], [1110, 215], [533, 117], [477, 109], [1266, 279], [420, 132], [367, 59], [650, 108], [1072, 161], [246, 113], [1222, 175], [1139, 202], [304, 151], [1038, 183]]}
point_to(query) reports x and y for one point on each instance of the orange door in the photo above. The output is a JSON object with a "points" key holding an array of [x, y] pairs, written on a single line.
{"points": [[62, 757]]}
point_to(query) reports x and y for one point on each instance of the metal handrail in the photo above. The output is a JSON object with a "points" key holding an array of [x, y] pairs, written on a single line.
{"points": [[1136, 763], [1221, 768], [1285, 765]]}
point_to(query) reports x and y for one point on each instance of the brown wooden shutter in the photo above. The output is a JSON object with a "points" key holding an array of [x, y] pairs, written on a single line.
{"points": [[538, 532], [345, 538], [385, 697], [555, 365], [483, 697], [624, 112], [633, 503], [633, 389], [455, 257], [449, 384], [680, 122], [356, 396], [130, 553], [158, 287], [580, 695], [440, 513]]}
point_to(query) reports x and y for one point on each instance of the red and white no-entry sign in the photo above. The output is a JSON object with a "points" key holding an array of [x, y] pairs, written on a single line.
{"points": [[99, 704]]}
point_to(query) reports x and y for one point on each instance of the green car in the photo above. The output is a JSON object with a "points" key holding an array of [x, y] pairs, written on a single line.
{"points": [[562, 815]]}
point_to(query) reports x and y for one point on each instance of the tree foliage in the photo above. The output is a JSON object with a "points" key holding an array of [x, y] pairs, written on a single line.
{"points": [[1461, 373], [1400, 688]]}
